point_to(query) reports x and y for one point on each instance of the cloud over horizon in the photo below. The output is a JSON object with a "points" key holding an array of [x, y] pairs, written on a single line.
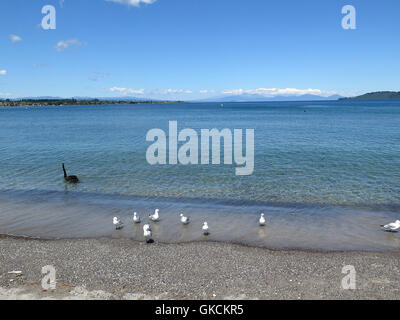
{"points": [[3, 72], [270, 92], [151, 93], [127, 91], [191, 94], [175, 91]]}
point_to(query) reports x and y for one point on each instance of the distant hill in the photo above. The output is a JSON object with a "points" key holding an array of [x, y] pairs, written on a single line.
{"points": [[380, 95], [258, 97]]}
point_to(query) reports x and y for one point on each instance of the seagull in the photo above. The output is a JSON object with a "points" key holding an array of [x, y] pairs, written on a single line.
{"points": [[118, 223], [392, 227], [155, 217], [185, 220], [136, 218], [147, 233], [262, 220], [205, 229]]}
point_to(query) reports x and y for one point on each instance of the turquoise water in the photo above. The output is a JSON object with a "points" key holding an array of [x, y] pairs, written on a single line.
{"points": [[333, 170]]}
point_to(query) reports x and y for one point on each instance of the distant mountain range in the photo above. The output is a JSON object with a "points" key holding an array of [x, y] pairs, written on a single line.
{"points": [[380, 95], [258, 97]]}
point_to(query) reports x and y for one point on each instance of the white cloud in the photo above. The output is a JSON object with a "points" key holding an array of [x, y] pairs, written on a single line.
{"points": [[65, 44], [206, 91], [14, 38], [151, 93], [127, 91], [3, 72], [135, 3], [274, 91], [175, 91]]}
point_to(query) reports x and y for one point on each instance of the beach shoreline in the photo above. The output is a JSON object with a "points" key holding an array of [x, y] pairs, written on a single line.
{"points": [[114, 269]]}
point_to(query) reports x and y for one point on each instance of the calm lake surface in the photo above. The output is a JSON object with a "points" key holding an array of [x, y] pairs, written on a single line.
{"points": [[325, 178]]}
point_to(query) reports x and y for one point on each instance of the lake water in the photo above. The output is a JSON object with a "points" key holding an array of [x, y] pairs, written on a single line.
{"points": [[325, 178]]}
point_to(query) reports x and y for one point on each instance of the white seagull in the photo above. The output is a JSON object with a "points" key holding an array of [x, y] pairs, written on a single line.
{"points": [[147, 233], [394, 226], [184, 220], [262, 220], [118, 223], [155, 217], [205, 229], [136, 218]]}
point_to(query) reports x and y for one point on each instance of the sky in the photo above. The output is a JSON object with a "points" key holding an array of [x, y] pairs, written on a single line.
{"points": [[197, 49]]}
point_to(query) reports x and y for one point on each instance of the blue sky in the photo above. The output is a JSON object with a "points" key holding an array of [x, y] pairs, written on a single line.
{"points": [[194, 49]]}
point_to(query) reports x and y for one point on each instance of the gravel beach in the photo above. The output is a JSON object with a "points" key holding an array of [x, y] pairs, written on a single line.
{"points": [[123, 269]]}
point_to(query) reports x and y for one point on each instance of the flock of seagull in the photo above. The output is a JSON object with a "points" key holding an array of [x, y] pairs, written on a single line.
{"points": [[155, 217]]}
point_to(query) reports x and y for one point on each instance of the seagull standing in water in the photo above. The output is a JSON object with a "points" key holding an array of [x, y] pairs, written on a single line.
{"points": [[262, 220], [184, 220], [147, 233], [118, 223], [136, 218], [155, 217], [392, 227], [205, 229]]}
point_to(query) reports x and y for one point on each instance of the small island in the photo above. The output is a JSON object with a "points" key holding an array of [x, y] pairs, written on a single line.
{"points": [[380, 95], [73, 102]]}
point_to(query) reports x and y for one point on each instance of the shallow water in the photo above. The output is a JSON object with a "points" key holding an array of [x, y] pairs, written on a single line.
{"points": [[325, 178]]}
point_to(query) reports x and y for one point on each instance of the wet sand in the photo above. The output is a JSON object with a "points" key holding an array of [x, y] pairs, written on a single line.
{"points": [[123, 269]]}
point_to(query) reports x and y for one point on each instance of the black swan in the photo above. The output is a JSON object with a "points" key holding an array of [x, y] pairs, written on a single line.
{"points": [[70, 179]]}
